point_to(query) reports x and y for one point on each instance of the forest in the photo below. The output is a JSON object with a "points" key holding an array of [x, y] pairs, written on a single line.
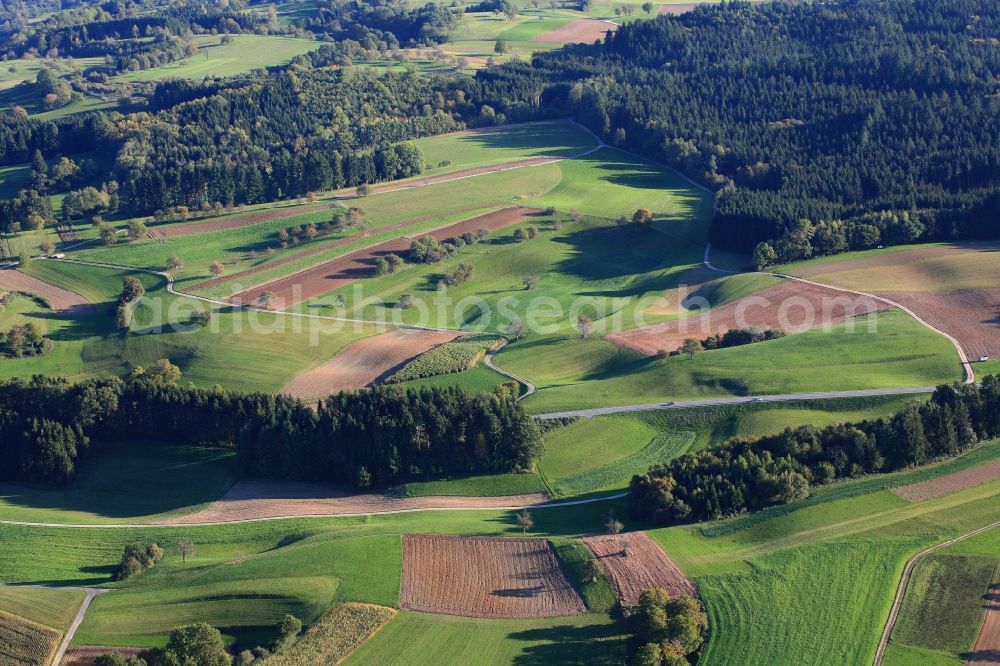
{"points": [[371, 438], [822, 127], [748, 474]]}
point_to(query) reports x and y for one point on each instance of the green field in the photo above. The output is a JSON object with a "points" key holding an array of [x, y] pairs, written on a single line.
{"points": [[51, 607], [245, 53]]}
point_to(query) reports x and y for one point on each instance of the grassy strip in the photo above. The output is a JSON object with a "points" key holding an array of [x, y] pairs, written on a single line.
{"points": [[51, 607], [576, 558]]}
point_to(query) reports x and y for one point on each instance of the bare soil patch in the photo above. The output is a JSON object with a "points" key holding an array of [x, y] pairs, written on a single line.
{"points": [[85, 655], [646, 566], [950, 483], [256, 499], [366, 362], [326, 277], [987, 649], [233, 220], [678, 8], [971, 316], [791, 306], [580, 30], [60, 299], [485, 577]]}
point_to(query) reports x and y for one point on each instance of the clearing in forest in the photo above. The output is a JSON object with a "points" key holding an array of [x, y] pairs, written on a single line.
{"points": [[485, 577], [790, 306], [644, 567], [367, 361], [581, 30]]}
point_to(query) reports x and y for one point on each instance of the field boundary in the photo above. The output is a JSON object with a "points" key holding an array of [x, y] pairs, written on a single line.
{"points": [[905, 581]]}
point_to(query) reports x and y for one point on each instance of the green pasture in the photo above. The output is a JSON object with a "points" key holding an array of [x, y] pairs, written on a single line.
{"points": [[245, 53], [51, 607]]}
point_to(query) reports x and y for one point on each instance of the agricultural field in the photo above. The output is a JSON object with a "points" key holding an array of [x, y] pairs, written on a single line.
{"points": [[634, 564], [25, 642]]}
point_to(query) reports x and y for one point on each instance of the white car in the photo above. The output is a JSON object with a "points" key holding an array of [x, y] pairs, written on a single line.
{"points": [[757, 399], [983, 359]]}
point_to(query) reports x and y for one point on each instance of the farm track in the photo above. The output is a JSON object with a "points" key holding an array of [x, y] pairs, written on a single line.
{"points": [[905, 581]]}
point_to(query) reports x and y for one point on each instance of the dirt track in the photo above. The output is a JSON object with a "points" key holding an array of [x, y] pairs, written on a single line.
{"points": [[580, 30], [646, 566], [987, 649], [366, 362], [485, 577], [60, 299], [791, 306], [257, 499], [326, 277], [971, 316], [950, 483]]}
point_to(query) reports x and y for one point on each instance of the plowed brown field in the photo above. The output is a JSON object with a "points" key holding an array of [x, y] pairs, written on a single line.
{"points": [[791, 306], [485, 577], [259, 499], [343, 270], [950, 483], [987, 649], [971, 316], [60, 299], [645, 567], [367, 361], [580, 30]]}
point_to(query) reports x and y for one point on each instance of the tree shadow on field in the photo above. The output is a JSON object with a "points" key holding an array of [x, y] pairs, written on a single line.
{"points": [[598, 644]]}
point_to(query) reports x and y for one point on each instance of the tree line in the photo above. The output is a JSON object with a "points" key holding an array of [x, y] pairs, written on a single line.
{"points": [[823, 127], [748, 474], [372, 438]]}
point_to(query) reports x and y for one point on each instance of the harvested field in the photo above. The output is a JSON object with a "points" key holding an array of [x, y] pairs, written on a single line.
{"points": [[791, 306], [231, 221], [971, 316], [85, 655], [485, 577], [60, 299], [326, 277], [646, 566], [987, 649], [273, 499], [678, 8], [581, 30], [924, 269], [367, 362], [950, 483]]}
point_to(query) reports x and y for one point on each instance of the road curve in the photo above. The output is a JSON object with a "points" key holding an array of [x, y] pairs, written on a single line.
{"points": [[715, 402], [905, 581], [529, 388]]}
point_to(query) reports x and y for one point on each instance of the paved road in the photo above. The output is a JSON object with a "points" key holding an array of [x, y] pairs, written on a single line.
{"points": [[714, 402], [905, 581]]}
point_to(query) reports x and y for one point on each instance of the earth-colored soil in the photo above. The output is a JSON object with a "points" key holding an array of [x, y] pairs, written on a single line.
{"points": [[791, 306], [258, 499], [485, 577], [85, 655], [646, 566], [230, 221], [950, 483], [60, 299], [326, 277], [366, 362], [971, 316], [987, 649], [581, 30], [678, 8]]}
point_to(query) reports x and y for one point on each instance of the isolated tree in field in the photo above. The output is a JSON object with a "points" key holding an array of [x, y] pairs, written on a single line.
{"points": [[524, 521], [47, 246], [585, 325], [764, 255], [405, 302], [216, 268], [107, 233], [647, 7], [691, 347], [575, 215], [362, 190], [613, 526], [267, 298], [136, 230], [516, 329], [185, 548], [530, 282], [500, 47], [355, 216], [24, 258], [521, 235], [174, 262], [642, 217]]}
